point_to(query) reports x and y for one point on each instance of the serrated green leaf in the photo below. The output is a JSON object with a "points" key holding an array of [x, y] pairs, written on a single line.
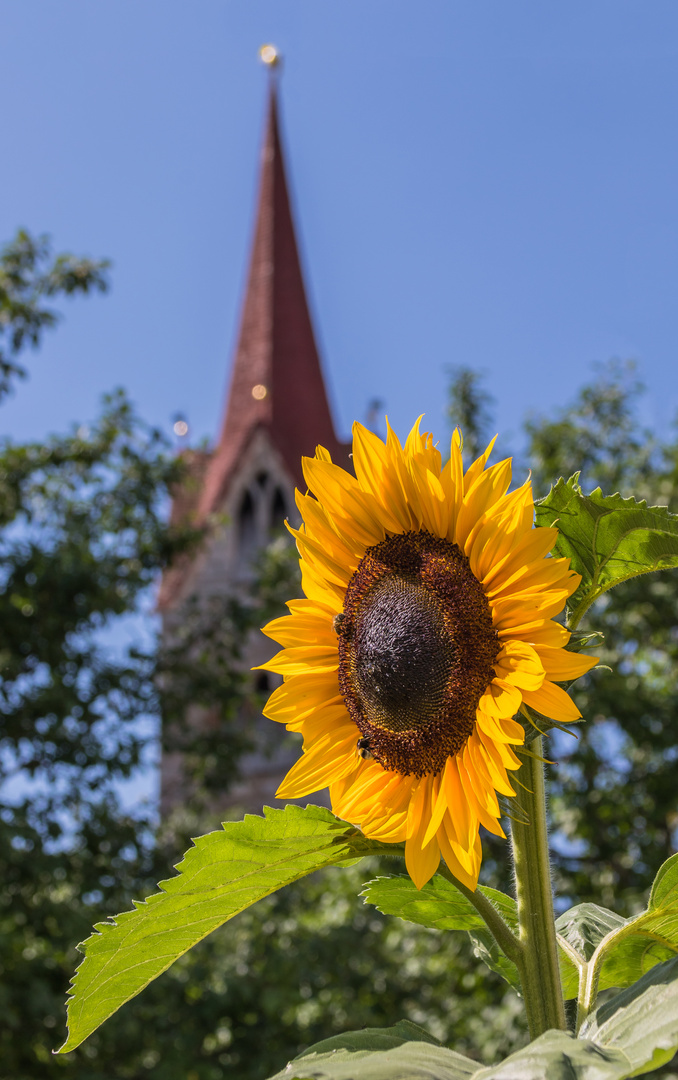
{"points": [[440, 906], [608, 539], [402, 1052], [641, 1021], [372, 1039], [664, 891], [556, 1055], [224, 873]]}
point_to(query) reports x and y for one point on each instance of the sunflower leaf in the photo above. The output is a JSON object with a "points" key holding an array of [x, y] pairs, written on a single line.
{"points": [[400, 1053], [602, 949], [223, 873], [486, 949], [440, 906], [636, 945], [607, 538], [580, 931], [641, 1021], [632, 1034], [585, 926]]}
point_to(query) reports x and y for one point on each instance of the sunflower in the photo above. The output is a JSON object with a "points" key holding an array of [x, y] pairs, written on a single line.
{"points": [[427, 624]]}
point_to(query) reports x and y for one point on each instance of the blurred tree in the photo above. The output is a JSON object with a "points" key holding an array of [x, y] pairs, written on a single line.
{"points": [[83, 537], [613, 801], [469, 409], [29, 275]]}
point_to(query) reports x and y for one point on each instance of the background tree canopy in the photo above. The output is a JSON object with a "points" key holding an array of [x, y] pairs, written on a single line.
{"points": [[84, 537]]}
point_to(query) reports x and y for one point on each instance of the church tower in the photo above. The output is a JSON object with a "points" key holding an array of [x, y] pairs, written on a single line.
{"points": [[276, 411]]}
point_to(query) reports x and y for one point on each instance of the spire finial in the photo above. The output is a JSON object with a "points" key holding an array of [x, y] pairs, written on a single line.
{"points": [[269, 55]]}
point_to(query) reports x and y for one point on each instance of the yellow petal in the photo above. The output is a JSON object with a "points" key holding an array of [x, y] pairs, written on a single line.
{"points": [[332, 720], [340, 495], [531, 547], [502, 757], [435, 512], [309, 607], [321, 591], [336, 570], [421, 859], [512, 612], [301, 695], [374, 791], [372, 465], [514, 731], [519, 664], [462, 813], [401, 473], [467, 871], [325, 530], [537, 633], [547, 574], [501, 699], [552, 701], [562, 666], [312, 628], [452, 482], [478, 465], [479, 498], [492, 760], [487, 544], [439, 806], [471, 786], [389, 829], [497, 730], [483, 782], [307, 658], [324, 763]]}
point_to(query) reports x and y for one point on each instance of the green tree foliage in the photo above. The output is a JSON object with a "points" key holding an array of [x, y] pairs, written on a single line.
{"points": [[83, 537], [29, 276], [469, 407], [614, 787]]}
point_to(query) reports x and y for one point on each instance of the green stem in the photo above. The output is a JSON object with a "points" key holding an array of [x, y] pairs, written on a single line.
{"points": [[581, 609], [538, 962], [588, 988], [505, 938]]}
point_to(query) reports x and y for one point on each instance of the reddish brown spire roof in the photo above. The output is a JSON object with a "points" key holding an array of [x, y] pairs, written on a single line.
{"points": [[276, 381]]}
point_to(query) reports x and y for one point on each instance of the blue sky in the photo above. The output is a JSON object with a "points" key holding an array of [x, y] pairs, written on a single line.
{"points": [[490, 184]]}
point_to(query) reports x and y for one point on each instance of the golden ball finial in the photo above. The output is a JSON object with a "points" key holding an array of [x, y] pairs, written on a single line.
{"points": [[269, 55]]}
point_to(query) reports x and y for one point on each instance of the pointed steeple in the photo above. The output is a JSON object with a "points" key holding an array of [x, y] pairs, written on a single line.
{"points": [[276, 380]]}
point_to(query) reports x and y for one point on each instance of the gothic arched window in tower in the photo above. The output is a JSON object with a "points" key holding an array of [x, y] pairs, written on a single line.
{"points": [[278, 509], [247, 527]]}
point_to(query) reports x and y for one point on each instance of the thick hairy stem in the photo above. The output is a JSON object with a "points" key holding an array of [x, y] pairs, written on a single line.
{"points": [[538, 960]]}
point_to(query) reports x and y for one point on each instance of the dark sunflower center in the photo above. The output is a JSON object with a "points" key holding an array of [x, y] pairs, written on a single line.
{"points": [[402, 654], [416, 648]]}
